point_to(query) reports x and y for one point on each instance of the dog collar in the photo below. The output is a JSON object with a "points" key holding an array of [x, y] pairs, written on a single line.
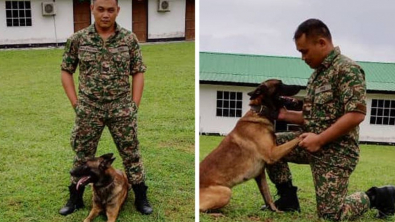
{"points": [[105, 186], [262, 110]]}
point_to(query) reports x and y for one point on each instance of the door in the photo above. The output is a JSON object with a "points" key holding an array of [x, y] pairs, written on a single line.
{"points": [[190, 20], [139, 19], [82, 14]]}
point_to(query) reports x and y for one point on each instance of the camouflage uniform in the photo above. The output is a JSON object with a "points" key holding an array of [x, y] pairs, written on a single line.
{"points": [[335, 88], [104, 97]]}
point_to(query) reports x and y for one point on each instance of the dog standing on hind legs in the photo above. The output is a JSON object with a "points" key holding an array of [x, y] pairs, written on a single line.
{"points": [[110, 186], [243, 153]]}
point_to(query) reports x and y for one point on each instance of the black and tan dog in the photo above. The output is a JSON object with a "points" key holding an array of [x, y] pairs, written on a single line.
{"points": [[243, 153], [110, 186]]}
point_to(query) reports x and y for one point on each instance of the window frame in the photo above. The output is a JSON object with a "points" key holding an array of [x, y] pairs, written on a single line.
{"points": [[382, 112], [18, 13], [229, 104]]}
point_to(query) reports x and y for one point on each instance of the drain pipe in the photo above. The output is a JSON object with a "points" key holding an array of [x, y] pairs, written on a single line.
{"points": [[56, 34]]}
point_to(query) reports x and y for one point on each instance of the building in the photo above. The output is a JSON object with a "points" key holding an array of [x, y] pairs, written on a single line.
{"points": [[49, 22], [225, 80]]}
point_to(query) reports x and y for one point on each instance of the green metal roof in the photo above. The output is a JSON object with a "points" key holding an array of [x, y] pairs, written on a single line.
{"points": [[244, 69]]}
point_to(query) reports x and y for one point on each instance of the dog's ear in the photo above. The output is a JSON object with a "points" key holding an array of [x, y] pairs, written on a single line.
{"points": [[253, 92], [288, 90], [107, 156], [261, 89], [106, 161]]}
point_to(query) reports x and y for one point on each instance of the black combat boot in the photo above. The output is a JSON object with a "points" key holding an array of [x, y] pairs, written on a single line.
{"points": [[382, 199], [288, 200], [141, 201], [75, 202]]}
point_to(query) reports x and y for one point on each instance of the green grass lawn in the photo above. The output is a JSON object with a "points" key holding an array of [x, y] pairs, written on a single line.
{"points": [[374, 169], [36, 121]]}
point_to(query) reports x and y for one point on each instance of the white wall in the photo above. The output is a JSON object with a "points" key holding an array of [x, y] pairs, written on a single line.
{"points": [[166, 24], [43, 27], [125, 15], [210, 123]]}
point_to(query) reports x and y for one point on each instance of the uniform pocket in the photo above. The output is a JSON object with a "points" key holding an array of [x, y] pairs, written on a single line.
{"points": [[121, 58], [324, 106], [88, 59], [324, 97]]}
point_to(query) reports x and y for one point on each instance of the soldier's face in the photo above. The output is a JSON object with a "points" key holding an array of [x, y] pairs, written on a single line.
{"points": [[312, 50], [105, 13]]}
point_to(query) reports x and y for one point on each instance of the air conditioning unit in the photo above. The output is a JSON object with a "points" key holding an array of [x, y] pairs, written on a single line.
{"points": [[48, 8], [163, 6]]}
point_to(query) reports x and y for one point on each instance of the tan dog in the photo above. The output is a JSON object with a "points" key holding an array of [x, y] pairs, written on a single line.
{"points": [[110, 186], [243, 153]]}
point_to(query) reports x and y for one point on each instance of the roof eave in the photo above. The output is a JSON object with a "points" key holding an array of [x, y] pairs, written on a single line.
{"points": [[225, 83]]}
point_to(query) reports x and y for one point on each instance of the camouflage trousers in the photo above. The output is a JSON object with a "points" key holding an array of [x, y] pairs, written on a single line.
{"points": [[120, 116], [331, 173]]}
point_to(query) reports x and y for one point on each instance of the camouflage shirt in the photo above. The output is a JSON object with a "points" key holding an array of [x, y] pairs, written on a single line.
{"points": [[104, 66], [335, 88]]}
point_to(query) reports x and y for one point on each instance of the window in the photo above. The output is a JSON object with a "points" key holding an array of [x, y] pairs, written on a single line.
{"points": [[18, 13], [229, 104], [382, 112]]}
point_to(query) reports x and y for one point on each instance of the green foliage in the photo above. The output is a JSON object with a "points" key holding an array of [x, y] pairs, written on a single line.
{"points": [[36, 119], [374, 169]]}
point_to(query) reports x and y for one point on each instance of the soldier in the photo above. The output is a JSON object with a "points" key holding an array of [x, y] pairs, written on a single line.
{"points": [[332, 111], [107, 55]]}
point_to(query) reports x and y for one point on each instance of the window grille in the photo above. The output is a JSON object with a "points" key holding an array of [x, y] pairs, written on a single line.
{"points": [[382, 112], [229, 104], [18, 13]]}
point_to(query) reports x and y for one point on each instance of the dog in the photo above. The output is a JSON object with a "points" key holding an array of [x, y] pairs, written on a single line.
{"points": [[243, 153], [110, 186]]}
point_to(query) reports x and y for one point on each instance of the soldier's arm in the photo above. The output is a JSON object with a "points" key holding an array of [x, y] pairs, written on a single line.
{"points": [[68, 67], [137, 70], [69, 88], [291, 116], [353, 97], [137, 87], [313, 142]]}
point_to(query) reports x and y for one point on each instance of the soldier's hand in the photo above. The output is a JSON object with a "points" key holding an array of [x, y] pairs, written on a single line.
{"points": [[310, 141]]}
